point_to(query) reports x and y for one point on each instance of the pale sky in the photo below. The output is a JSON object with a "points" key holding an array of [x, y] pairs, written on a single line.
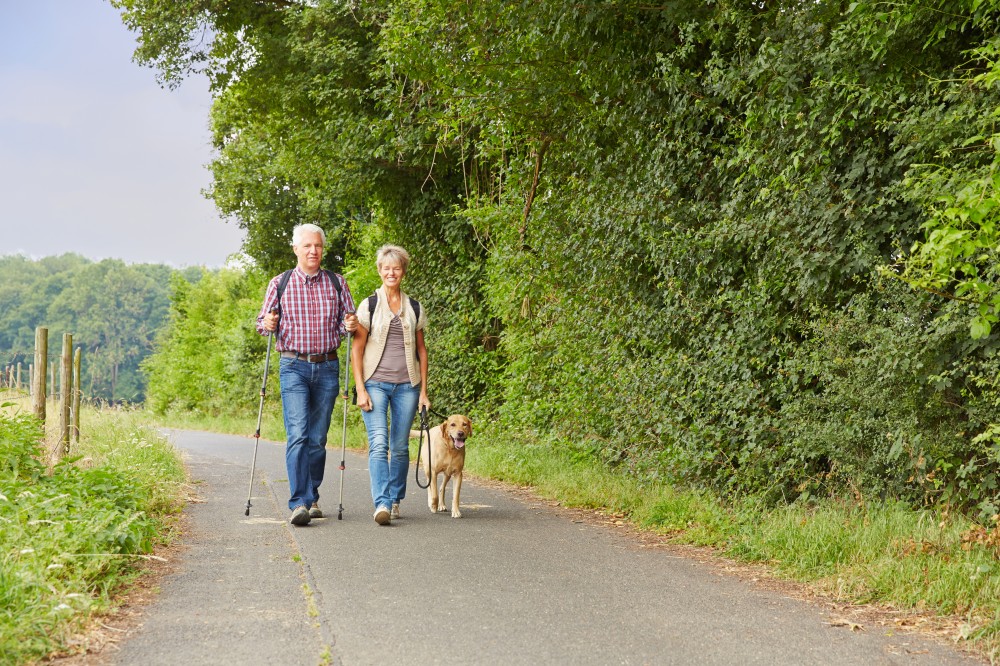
{"points": [[96, 158]]}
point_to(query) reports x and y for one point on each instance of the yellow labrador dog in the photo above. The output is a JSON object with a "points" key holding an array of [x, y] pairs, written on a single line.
{"points": [[446, 446]]}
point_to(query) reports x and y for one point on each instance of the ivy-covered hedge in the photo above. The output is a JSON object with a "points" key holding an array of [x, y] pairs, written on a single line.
{"points": [[747, 245]]}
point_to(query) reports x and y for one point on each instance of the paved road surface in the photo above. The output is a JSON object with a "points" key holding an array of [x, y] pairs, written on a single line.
{"points": [[511, 582]]}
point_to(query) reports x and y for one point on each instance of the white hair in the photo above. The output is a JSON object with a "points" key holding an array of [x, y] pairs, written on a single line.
{"points": [[307, 229]]}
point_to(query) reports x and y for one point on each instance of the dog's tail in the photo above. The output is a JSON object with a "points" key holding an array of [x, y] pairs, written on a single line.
{"points": [[414, 434]]}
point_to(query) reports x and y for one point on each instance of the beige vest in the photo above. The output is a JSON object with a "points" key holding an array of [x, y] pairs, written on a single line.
{"points": [[377, 325]]}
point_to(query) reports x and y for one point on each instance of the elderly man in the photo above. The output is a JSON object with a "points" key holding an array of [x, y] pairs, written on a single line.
{"points": [[311, 310]]}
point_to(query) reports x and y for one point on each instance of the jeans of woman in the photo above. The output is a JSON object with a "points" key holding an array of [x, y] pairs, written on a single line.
{"points": [[389, 441], [308, 391]]}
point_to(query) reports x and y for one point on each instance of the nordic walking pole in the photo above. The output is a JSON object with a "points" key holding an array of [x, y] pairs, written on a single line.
{"points": [[343, 446], [260, 413]]}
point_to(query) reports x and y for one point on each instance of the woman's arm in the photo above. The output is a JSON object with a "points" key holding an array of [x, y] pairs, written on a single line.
{"points": [[357, 365], [422, 356]]}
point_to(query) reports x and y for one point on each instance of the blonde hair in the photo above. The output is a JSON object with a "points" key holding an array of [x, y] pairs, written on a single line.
{"points": [[392, 253]]}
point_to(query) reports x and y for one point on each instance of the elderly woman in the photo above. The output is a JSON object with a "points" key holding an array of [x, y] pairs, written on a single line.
{"points": [[390, 371]]}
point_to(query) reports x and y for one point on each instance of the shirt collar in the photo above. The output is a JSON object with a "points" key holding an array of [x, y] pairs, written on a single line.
{"points": [[305, 277]]}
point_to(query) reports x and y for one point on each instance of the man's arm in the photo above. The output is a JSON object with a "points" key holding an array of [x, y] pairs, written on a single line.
{"points": [[346, 307], [270, 300]]}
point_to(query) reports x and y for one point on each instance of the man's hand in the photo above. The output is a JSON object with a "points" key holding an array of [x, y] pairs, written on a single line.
{"points": [[351, 322], [270, 321]]}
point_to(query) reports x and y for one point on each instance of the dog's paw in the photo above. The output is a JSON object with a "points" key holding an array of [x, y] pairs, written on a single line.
{"points": [[433, 508], [456, 514]]}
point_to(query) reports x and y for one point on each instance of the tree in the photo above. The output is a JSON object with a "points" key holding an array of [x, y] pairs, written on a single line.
{"points": [[660, 233], [112, 309]]}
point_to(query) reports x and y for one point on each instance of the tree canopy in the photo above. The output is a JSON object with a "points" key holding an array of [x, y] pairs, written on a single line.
{"points": [[113, 310], [750, 245]]}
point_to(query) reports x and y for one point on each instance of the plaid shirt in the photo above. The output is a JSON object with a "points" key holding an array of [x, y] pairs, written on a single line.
{"points": [[312, 314]]}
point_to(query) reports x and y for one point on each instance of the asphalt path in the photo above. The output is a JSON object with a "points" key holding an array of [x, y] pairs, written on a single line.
{"points": [[514, 581]]}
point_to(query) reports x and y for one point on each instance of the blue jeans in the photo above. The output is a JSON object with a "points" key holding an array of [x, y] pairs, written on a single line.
{"points": [[308, 391], [388, 443]]}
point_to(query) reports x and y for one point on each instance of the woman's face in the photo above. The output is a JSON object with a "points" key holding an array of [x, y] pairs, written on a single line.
{"points": [[391, 273]]}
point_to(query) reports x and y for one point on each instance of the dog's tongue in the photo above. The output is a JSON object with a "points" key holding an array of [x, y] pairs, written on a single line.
{"points": [[459, 443]]}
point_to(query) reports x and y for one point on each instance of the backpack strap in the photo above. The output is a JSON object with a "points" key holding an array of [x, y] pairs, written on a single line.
{"points": [[281, 289], [333, 278]]}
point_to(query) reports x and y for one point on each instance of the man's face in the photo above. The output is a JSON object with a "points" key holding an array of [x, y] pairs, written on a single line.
{"points": [[310, 252]]}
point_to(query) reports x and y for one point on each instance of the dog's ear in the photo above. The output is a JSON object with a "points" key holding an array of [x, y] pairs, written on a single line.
{"points": [[468, 423], [444, 429]]}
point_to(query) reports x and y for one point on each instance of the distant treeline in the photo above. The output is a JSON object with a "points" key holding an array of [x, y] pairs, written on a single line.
{"points": [[114, 311]]}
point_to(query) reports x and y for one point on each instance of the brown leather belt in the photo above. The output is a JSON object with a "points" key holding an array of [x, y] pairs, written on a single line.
{"points": [[311, 358]]}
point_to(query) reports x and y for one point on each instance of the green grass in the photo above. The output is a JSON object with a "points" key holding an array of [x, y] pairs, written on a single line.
{"points": [[72, 537], [885, 553]]}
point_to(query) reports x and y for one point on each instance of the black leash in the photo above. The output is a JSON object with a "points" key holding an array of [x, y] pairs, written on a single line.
{"points": [[439, 415], [423, 427]]}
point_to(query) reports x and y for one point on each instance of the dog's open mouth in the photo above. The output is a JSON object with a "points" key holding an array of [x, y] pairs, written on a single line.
{"points": [[458, 442]]}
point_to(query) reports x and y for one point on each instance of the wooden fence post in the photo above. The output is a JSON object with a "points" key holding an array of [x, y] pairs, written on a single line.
{"points": [[66, 391], [19, 376], [76, 395], [38, 392]]}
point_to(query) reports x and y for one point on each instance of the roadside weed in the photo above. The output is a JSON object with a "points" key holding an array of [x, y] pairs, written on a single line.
{"points": [[70, 537]]}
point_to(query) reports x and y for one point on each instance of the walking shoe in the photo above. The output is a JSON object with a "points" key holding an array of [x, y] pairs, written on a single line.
{"points": [[394, 511], [382, 516], [315, 511], [300, 516]]}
